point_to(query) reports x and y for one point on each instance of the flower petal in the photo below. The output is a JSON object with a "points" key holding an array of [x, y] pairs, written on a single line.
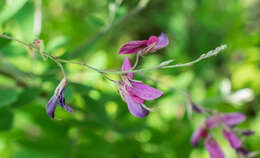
{"points": [[201, 132], [213, 121], [51, 106], [143, 91], [136, 109], [232, 118], [213, 148], [132, 47], [163, 41], [137, 99], [68, 109], [61, 101], [233, 140], [61, 98], [152, 40], [127, 66]]}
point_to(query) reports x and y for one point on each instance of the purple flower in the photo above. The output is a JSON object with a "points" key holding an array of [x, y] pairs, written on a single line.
{"points": [[151, 45], [58, 97], [213, 148], [232, 138], [134, 93], [230, 119]]}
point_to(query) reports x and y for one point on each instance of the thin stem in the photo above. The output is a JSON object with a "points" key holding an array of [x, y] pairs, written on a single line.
{"points": [[87, 66], [136, 60], [19, 41], [57, 62], [160, 66]]}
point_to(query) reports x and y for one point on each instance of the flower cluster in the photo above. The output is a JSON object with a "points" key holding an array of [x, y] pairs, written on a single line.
{"points": [[133, 92], [227, 122]]}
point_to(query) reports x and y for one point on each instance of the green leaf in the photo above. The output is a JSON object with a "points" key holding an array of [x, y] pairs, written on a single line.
{"points": [[6, 119], [11, 9], [7, 96]]}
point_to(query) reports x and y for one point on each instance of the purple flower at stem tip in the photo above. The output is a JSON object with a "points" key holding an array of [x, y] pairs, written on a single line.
{"points": [[153, 44], [134, 93], [58, 97]]}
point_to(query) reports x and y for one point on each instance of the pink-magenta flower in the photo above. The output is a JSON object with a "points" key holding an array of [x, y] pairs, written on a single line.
{"points": [[151, 45], [134, 93], [214, 148]]}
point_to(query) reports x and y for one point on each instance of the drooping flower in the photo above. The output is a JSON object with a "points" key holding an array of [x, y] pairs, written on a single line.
{"points": [[134, 93], [214, 148], [153, 44], [58, 97]]}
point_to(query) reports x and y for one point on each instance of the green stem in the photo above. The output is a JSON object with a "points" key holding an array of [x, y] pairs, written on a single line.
{"points": [[103, 72], [19, 41], [57, 62]]}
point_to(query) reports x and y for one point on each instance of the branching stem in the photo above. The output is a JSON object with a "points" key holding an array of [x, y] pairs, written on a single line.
{"points": [[163, 65]]}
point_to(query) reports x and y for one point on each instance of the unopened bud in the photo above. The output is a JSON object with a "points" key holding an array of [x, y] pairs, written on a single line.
{"points": [[40, 45], [195, 108], [247, 133]]}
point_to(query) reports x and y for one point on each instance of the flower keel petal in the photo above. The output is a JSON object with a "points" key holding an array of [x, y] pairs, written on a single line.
{"points": [[51, 106]]}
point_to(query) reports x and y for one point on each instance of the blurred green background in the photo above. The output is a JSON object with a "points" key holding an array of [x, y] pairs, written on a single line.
{"points": [[92, 31]]}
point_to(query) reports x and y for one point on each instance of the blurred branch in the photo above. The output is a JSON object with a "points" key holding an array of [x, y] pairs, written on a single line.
{"points": [[12, 72], [19, 82], [77, 52]]}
